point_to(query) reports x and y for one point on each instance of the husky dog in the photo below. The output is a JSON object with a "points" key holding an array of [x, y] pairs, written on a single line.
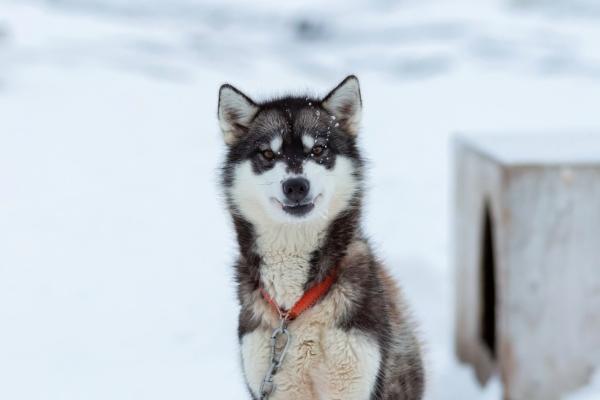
{"points": [[293, 181]]}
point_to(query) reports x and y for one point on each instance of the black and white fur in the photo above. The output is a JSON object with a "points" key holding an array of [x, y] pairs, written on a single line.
{"points": [[357, 342]]}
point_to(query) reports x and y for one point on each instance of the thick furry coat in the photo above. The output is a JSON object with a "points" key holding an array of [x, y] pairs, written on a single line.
{"points": [[293, 181]]}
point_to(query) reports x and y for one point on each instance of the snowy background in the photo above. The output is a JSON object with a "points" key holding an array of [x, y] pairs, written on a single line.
{"points": [[115, 250]]}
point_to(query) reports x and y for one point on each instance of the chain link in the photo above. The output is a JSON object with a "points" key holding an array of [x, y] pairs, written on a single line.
{"points": [[278, 352]]}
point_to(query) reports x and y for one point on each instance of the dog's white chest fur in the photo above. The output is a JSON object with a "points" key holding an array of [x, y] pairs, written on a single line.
{"points": [[283, 277], [285, 261], [322, 362]]}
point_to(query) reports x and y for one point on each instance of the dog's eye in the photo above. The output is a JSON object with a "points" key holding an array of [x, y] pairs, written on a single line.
{"points": [[318, 150], [268, 154]]}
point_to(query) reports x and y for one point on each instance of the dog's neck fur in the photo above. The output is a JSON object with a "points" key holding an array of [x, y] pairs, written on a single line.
{"points": [[285, 252], [286, 259]]}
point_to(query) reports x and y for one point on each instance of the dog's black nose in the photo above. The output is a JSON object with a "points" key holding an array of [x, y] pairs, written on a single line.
{"points": [[296, 189]]}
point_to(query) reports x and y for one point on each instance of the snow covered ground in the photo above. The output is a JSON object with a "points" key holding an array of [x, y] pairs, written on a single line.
{"points": [[115, 250]]}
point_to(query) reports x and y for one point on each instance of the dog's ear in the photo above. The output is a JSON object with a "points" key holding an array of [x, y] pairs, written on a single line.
{"points": [[235, 112], [345, 104]]}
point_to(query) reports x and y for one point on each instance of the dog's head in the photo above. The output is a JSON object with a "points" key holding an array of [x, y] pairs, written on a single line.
{"points": [[293, 159]]}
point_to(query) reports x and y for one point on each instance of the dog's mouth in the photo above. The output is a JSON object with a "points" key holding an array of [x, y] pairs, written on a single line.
{"points": [[297, 209]]}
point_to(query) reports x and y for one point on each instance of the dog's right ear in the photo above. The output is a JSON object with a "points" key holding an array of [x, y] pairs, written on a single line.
{"points": [[235, 112]]}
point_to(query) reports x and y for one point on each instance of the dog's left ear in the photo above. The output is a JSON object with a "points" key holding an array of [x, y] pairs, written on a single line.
{"points": [[345, 104], [235, 112]]}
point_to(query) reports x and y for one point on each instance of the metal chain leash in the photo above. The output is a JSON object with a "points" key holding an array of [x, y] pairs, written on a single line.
{"points": [[280, 338], [278, 352]]}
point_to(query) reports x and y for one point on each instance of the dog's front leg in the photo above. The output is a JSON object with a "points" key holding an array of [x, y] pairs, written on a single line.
{"points": [[351, 362]]}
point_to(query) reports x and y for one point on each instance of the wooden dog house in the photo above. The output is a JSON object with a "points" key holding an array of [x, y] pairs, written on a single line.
{"points": [[527, 261]]}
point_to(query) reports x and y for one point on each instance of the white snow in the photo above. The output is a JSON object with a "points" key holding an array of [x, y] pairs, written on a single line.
{"points": [[590, 392], [115, 249]]}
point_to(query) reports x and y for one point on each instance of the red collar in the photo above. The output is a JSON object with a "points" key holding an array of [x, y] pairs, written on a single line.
{"points": [[308, 299]]}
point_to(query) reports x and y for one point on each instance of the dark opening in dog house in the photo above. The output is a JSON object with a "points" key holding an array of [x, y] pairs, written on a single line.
{"points": [[487, 329]]}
